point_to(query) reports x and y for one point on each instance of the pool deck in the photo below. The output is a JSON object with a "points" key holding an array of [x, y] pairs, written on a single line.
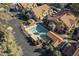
{"points": [[29, 31]]}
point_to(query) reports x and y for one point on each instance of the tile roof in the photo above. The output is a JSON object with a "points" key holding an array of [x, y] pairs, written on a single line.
{"points": [[68, 20], [67, 17], [27, 5], [55, 38], [39, 11]]}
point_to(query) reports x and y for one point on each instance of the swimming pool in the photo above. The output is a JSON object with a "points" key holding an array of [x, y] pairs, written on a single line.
{"points": [[40, 32]]}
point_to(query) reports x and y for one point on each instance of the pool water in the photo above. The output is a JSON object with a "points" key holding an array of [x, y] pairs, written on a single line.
{"points": [[41, 32]]}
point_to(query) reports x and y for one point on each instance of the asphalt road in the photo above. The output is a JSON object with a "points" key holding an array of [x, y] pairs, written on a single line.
{"points": [[21, 40]]}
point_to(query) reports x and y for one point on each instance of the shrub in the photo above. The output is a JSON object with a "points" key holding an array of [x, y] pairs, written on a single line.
{"points": [[8, 46]]}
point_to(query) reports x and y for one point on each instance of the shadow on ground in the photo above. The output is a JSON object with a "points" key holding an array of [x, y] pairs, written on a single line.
{"points": [[30, 42], [41, 51], [44, 52]]}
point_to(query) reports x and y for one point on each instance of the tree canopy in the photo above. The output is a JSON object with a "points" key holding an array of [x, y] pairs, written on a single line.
{"points": [[75, 8]]}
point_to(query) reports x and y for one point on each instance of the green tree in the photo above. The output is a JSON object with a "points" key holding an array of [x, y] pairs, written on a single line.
{"points": [[8, 47], [62, 6], [75, 8], [57, 53]]}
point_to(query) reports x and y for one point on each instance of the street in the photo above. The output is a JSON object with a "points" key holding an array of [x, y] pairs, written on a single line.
{"points": [[21, 40]]}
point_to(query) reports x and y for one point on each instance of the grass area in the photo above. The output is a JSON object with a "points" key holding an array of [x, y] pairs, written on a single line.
{"points": [[8, 47]]}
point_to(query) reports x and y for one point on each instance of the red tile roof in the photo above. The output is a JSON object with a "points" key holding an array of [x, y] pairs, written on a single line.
{"points": [[27, 5], [39, 11], [66, 17], [55, 38]]}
